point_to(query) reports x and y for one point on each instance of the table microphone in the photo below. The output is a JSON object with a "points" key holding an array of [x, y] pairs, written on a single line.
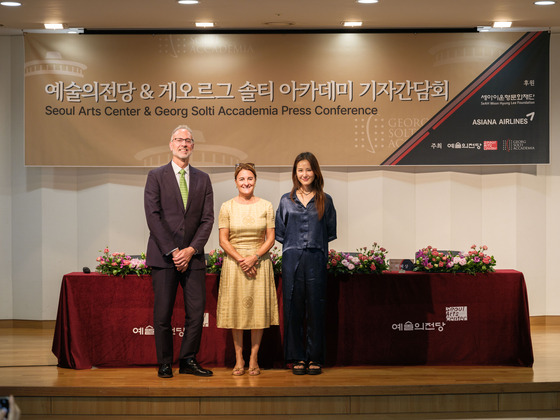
{"points": [[86, 270]]}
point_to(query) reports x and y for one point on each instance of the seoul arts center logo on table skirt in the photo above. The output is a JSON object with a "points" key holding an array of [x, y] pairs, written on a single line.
{"points": [[456, 313], [452, 314], [180, 331]]}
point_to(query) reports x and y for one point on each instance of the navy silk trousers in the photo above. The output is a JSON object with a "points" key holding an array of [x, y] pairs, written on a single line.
{"points": [[304, 286]]}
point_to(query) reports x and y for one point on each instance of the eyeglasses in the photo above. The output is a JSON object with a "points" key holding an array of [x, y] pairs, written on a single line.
{"points": [[187, 141], [252, 165]]}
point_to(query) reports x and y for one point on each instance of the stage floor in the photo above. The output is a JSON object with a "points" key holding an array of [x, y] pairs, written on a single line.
{"points": [[42, 390]]}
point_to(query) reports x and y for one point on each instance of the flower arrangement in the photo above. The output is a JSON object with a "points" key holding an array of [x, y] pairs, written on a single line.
{"points": [[215, 261], [477, 261], [365, 261], [276, 257], [120, 264], [432, 260], [472, 262]]}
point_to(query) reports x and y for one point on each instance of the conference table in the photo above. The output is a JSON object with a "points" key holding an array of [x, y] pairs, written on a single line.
{"points": [[411, 318]]}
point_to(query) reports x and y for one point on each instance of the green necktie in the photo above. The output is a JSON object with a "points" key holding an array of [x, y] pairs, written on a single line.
{"points": [[183, 187]]}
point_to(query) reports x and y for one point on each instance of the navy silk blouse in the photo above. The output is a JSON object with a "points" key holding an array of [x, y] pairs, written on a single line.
{"points": [[298, 227]]}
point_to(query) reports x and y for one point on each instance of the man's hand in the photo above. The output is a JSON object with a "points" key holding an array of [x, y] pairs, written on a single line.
{"points": [[182, 257]]}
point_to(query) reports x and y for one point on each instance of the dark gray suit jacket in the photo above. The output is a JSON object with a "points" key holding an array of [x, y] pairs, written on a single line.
{"points": [[171, 226]]}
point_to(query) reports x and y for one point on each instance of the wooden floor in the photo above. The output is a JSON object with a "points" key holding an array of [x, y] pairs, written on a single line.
{"points": [[43, 391]]}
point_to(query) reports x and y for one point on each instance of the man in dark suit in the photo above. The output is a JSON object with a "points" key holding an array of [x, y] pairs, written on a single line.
{"points": [[179, 205]]}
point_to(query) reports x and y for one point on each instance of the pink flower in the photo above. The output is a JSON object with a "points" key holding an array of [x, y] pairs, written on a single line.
{"points": [[106, 250], [484, 247], [486, 260]]}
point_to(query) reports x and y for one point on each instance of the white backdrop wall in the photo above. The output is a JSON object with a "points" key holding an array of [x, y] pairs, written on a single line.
{"points": [[56, 220]]}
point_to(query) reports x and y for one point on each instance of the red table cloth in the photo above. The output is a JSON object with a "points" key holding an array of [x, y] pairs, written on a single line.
{"points": [[389, 319]]}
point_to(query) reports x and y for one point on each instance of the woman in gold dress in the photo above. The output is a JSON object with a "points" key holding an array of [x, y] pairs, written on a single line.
{"points": [[247, 295]]}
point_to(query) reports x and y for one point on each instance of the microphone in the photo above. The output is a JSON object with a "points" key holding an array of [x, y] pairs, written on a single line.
{"points": [[86, 270]]}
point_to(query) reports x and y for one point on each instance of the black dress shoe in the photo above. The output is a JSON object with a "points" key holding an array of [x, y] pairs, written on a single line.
{"points": [[192, 367], [165, 371]]}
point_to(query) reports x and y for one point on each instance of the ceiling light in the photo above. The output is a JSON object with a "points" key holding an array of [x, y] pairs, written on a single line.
{"points": [[502, 25], [54, 26], [11, 3], [204, 24], [187, 1], [483, 28], [367, 1], [545, 2], [279, 23], [352, 24]]}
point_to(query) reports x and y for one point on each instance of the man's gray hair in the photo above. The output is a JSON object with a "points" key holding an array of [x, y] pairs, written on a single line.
{"points": [[181, 127]]}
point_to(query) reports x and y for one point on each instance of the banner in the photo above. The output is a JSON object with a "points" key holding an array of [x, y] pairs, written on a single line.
{"points": [[353, 99]]}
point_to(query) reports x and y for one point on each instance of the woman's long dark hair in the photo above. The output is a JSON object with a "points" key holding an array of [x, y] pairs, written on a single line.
{"points": [[316, 185]]}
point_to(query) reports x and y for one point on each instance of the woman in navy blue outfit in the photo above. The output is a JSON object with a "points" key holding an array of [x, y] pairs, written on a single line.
{"points": [[305, 224]]}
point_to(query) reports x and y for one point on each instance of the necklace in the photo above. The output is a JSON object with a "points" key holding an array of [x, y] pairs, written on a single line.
{"points": [[305, 193]]}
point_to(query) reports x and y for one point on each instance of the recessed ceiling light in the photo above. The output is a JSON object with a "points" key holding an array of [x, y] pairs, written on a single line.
{"points": [[204, 24], [367, 1], [545, 2], [187, 1], [502, 25], [54, 26], [11, 3], [279, 23], [352, 23]]}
